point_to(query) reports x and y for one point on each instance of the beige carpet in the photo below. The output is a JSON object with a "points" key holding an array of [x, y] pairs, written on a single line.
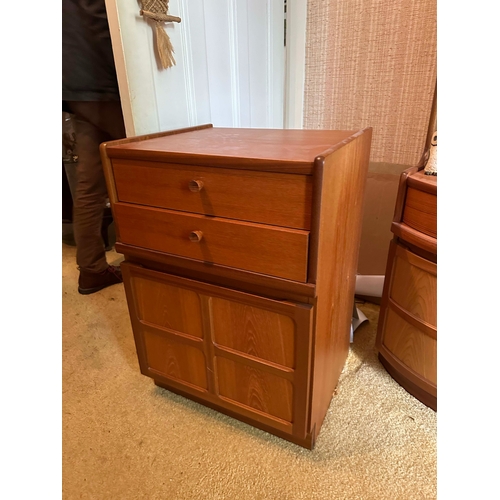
{"points": [[124, 438]]}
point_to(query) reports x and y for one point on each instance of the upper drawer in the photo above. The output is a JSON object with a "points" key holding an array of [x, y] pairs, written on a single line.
{"points": [[264, 249], [271, 198], [420, 211]]}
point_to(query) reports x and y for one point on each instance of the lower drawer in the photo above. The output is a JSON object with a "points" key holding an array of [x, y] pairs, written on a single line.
{"points": [[264, 249], [242, 352]]}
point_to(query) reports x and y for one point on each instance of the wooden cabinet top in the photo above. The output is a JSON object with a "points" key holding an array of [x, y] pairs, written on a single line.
{"points": [[292, 151]]}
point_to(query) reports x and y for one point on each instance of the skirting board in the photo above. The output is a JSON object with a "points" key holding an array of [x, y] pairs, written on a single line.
{"points": [[370, 286]]}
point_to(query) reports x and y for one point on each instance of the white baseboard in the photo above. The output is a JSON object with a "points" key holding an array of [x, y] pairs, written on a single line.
{"points": [[370, 285]]}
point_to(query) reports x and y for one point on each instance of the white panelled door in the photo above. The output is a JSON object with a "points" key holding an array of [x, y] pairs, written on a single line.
{"points": [[230, 67]]}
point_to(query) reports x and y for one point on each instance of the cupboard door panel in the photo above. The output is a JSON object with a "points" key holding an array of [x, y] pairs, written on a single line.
{"points": [[257, 389], [252, 330], [175, 360], [168, 306]]}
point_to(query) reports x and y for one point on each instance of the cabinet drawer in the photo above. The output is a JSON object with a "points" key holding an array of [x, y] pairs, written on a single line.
{"points": [[269, 250], [420, 211], [271, 198]]}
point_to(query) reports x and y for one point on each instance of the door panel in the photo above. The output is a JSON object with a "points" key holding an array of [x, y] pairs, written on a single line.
{"points": [[252, 330], [167, 306], [255, 388], [176, 360]]}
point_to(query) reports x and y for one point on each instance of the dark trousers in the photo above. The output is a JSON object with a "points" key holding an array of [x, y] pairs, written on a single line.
{"points": [[95, 123]]}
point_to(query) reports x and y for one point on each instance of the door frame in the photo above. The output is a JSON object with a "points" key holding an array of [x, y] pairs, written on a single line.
{"points": [[121, 68]]}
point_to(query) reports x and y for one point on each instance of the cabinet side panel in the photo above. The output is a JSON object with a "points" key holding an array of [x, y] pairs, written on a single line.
{"points": [[340, 215]]}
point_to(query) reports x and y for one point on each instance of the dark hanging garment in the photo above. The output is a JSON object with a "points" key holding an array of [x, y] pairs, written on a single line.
{"points": [[88, 69]]}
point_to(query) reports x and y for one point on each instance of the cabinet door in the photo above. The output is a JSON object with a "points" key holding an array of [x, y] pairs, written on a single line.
{"points": [[235, 351]]}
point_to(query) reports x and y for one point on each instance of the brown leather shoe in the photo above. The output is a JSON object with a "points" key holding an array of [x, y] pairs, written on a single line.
{"points": [[93, 282]]}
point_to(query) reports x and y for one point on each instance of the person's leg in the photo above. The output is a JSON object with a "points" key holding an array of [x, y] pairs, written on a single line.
{"points": [[90, 198], [94, 123]]}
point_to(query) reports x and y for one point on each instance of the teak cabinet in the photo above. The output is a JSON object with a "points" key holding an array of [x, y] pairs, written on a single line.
{"points": [[407, 329], [241, 249]]}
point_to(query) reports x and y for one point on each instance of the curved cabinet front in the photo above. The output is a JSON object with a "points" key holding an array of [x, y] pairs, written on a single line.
{"points": [[407, 331]]}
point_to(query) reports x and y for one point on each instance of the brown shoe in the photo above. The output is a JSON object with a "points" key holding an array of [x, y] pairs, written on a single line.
{"points": [[93, 282]]}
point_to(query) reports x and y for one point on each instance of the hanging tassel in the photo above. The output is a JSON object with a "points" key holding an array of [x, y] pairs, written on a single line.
{"points": [[158, 14], [165, 48]]}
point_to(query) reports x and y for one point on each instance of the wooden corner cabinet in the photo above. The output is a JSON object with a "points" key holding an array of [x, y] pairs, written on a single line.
{"points": [[241, 249], [407, 329]]}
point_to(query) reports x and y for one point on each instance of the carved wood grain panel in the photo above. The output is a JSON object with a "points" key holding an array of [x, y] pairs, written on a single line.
{"points": [[168, 306], [175, 360], [255, 331], [255, 388]]}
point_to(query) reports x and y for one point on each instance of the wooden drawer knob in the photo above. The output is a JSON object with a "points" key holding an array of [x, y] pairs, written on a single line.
{"points": [[195, 236], [195, 185]]}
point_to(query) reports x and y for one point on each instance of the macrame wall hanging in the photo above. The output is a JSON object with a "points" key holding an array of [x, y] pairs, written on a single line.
{"points": [[156, 10]]}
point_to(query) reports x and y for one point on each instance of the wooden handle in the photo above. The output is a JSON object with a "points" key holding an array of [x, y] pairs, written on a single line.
{"points": [[195, 185], [195, 236]]}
